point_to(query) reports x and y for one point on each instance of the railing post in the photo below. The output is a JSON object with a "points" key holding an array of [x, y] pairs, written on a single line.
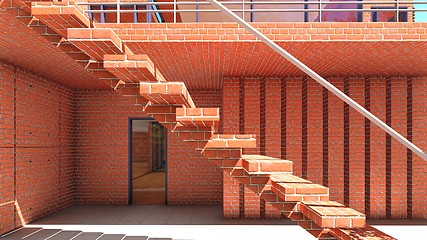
{"points": [[148, 15], [252, 13], [90, 13], [118, 11], [197, 12], [305, 12], [135, 14], [397, 10], [174, 11], [102, 15], [243, 9], [320, 10]]}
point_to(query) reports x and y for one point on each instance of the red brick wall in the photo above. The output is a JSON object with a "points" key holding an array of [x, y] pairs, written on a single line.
{"points": [[419, 166], [140, 148], [36, 118], [206, 98], [332, 144], [102, 158], [102, 147]]}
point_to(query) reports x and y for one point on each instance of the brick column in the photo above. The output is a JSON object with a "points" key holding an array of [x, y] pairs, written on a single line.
{"points": [[230, 124], [378, 150], [419, 179], [357, 147], [398, 166], [336, 143]]}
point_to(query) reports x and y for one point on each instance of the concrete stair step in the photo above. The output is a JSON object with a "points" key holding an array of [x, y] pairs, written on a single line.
{"points": [[258, 164], [331, 214]]}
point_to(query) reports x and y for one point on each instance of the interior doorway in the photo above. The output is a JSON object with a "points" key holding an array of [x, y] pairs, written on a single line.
{"points": [[147, 162]]}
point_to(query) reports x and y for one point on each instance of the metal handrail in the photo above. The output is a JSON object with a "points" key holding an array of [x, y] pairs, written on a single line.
{"points": [[255, 3], [255, 10], [330, 87], [315, 6]]}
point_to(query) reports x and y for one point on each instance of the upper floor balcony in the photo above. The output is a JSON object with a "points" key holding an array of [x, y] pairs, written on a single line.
{"points": [[189, 11], [193, 42]]}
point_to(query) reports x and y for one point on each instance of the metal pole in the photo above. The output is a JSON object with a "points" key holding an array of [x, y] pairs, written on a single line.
{"points": [[148, 14], [252, 13], [118, 11], [397, 10], [321, 80], [135, 14], [243, 9], [102, 15], [197, 13], [320, 10], [174, 11], [305, 13]]}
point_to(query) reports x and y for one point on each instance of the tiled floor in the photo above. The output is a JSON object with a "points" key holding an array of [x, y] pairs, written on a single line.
{"points": [[176, 222]]}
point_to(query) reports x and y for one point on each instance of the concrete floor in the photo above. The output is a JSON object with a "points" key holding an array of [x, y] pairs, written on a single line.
{"points": [[177, 222]]}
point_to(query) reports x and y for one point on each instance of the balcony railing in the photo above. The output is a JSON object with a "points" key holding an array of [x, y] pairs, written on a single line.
{"points": [[254, 11]]}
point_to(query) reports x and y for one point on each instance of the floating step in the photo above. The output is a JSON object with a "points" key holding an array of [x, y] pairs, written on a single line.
{"points": [[95, 42], [287, 178], [59, 16], [205, 117], [225, 141], [258, 164], [132, 68], [331, 214], [294, 189], [367, 232], [166, 94]]}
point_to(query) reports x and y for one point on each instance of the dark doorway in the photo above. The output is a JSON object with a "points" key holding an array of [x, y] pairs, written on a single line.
{"points": [[147, 162]]}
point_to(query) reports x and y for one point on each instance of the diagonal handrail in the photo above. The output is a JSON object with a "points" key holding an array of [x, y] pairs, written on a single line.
{"points": [[320, 80]]}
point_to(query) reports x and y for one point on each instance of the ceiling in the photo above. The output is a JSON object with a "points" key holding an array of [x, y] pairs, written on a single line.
{"points": [[22, 46], [203, 65]]}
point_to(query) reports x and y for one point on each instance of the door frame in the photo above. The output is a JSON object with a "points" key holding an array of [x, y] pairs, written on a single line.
{"points": [[130, 187]]}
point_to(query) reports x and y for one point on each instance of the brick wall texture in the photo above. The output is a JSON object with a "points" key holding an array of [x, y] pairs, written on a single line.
{"points": [[37, 147], [60, 146], [330, 143]]}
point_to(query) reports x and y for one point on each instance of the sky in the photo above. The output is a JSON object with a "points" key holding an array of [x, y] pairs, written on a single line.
{"points": [[420, 16]]}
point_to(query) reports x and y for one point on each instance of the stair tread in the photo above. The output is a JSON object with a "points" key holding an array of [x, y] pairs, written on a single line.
{"points": [[229, 141], [197, 112], [64, 16], [302, 188], [132, 68], [331, 214], [294, 189], [331, 208], [287, 178], [265, 165], [259, 157], [166, 93]]}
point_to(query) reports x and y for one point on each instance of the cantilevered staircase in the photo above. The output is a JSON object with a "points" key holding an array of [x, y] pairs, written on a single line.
{"points": [[170, 103]]}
